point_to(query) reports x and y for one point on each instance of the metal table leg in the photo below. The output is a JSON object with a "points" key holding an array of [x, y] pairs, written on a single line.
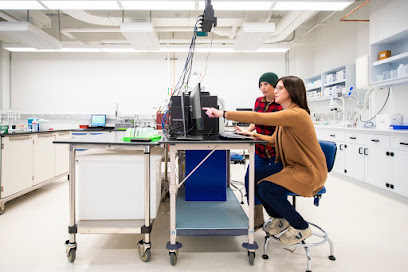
{"points": [[251, 246], [144, 246], [173, 245], [71, 244]]}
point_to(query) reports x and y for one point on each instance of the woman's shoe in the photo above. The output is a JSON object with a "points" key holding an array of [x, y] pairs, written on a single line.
{"points": [[276, 225], [293, 236]]}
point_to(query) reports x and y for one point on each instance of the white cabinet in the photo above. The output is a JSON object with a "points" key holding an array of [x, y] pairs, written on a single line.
{"points": [[62, 154], [44, 157], [378, 160], [354, 155], [16, 164], [399, 172], [378, 165], [354, 161], [338, 166]]}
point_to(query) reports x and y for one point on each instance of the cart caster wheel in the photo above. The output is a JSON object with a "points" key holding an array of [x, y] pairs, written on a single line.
{"points": [[251, 257], [145, 256], [2, 210], [71, 255], [173, 258], [332, 258], [265, 257]]}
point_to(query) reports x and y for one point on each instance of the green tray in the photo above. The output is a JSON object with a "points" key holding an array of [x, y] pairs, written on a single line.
{"points": [[155, 138]]}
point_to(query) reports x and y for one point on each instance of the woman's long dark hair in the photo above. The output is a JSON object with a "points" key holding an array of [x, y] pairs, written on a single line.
{"points": [[297, 91]]}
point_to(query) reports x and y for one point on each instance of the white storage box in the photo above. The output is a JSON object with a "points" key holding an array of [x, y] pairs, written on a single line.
{"points": [[111, 185], [383, 121]]}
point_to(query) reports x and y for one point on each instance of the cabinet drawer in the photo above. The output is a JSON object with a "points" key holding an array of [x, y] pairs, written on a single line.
{"points": [[354, 137], [331, 135], [377, 140], [399, 143]]}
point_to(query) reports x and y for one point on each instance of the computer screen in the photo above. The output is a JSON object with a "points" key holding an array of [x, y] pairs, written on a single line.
{"points": [[196, 110], [98, 120]]}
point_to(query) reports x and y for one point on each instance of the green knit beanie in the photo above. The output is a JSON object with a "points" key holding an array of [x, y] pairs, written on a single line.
{"points": [[271, 78]]}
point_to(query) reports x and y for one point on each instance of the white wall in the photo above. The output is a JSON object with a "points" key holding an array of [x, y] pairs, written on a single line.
{"points": [[387, 17], [94, 82]]}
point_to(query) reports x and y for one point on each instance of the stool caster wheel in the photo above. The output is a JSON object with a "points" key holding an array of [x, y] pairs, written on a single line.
{"points": [[71, 256], [173, 258], [251, 256], [265, 257], [332, 258], [308, 270]]}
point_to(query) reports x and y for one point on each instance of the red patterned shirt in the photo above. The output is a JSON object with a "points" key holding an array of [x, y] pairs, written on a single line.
{"points": [[261, 105]]}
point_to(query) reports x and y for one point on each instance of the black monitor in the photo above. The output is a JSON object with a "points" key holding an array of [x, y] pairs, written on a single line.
{"points": [[196, 116], [196, 109]]}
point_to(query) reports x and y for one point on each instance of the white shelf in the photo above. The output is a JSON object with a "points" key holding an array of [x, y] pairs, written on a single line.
{"points": [[328, 98], [110, 226], [334, 83], [391, 59], [392, 81], [314, 88]]}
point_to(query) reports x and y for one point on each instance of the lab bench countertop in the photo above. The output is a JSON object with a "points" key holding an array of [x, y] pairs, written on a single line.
{"points": [[52, 131], [365, 130]]}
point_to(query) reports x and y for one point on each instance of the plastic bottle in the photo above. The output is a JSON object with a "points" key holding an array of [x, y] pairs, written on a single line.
{"points": [[401, 70]]}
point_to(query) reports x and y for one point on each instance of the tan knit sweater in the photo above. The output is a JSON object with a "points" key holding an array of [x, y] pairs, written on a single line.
{"points": [[304, 164]]}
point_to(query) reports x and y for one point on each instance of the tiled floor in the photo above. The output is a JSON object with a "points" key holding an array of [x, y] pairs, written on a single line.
{"points": [[367, 228]]}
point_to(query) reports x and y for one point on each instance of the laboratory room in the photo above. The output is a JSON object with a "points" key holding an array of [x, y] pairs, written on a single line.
{"points": [[203, 135]]}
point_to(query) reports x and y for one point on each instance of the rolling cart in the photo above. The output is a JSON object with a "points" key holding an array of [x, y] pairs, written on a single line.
{"points": [[112, 141], [209, 218]]}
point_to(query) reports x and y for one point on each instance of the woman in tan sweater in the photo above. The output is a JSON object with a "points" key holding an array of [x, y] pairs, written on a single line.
{"points": [[304, 165]]}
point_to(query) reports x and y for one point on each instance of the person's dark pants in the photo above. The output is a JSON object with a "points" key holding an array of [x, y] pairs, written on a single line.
{"points": [[264, 167], [275, 201]]}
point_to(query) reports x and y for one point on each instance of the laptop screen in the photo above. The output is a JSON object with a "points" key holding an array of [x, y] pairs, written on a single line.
{"points": [[98, 120]]}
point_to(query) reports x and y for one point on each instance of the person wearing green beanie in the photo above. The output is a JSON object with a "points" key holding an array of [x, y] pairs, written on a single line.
{"points": [[264, 155]]}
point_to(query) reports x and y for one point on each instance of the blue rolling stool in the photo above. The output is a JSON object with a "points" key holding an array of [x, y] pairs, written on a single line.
{"points": [[329, 150]]}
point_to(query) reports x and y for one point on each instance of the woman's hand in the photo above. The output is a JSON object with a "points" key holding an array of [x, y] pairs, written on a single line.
{"points": [[242, 131], [211, 112]]}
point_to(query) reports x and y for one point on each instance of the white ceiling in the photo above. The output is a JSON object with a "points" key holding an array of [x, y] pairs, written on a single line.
{"points": [[76, 28]]}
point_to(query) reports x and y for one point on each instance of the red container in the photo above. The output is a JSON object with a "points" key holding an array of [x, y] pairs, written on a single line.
{"points": [[83, 126]]}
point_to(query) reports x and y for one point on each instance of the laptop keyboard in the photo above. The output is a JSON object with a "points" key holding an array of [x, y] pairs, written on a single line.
{"points": [[233, 136]]}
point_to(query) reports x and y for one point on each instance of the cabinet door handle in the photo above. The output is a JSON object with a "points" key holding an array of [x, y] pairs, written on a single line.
{"points": [[360, 150], [365, 151], [387, 185], [376, 141], [341, 147], [345, 146], [332, 135], [353, 138], [392, 154], [392, 186], [387, 153], [401, 143]]}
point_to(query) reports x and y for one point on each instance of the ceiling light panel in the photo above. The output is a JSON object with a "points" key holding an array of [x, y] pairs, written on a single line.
{"points": [[238, 5], [312, 5], [29, 35], [82, 5], [158, 5], [16, 4], [141, 35]]}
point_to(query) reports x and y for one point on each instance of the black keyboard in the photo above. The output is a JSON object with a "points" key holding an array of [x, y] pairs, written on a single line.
{"points": [[233, 136]]}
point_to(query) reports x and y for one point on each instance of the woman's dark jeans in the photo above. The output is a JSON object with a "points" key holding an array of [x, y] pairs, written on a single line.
{"points": [[274, 198]]}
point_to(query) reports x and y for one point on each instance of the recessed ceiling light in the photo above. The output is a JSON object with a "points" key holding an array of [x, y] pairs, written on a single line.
{"points": [[238, 5], [158, 5], [84, 5], [312, 5], [16, 4]]}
